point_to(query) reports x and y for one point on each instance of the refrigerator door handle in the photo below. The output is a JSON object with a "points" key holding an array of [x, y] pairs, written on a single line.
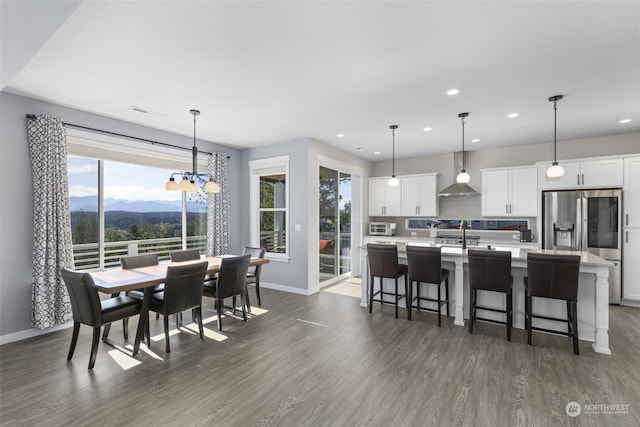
{"points": [[578, 234]]}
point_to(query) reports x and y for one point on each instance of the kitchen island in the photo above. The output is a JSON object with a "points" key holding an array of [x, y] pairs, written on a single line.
{"points": [[593, 293]]}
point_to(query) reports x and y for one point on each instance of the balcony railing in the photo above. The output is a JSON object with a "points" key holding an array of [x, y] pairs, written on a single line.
{"points": [[86, 256]]}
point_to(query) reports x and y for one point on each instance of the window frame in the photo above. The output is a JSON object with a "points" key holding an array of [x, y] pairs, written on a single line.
{"points": [[258, 168], [103, 148]]}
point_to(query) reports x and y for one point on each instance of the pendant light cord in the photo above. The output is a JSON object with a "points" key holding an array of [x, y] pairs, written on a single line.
{"points": [[393, 152], [463, 153], [555, 121]]}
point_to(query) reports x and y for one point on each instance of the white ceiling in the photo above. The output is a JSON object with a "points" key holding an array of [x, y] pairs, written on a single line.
{"points": [[265, 72]]}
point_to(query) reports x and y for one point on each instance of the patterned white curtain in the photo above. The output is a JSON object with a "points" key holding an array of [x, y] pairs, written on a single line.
{"points": [[218, 209], [52, 245]]}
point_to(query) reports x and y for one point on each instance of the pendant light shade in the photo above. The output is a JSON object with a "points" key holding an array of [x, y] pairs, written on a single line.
{"points": [[463, 177], [188, 182], [555, 170], [393, 181]]}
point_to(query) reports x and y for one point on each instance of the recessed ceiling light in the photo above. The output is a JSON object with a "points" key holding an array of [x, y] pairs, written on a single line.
{"points": [[359, 149], [340, 135], [427, 129], [376, 153], [453, 91], [625, 121], [513, 115], [475, 140]]}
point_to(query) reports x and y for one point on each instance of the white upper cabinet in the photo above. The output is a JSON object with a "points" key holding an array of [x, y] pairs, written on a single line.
{"points": [[585, 174], [631, 192], [510, 192], [419, 195], [383, 200]]}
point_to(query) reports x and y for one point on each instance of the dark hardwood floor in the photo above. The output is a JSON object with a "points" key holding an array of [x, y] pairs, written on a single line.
{"points": [[324, 361]]}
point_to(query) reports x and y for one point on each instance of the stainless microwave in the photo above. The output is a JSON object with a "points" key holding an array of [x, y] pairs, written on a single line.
{"points": [[382, 228]]}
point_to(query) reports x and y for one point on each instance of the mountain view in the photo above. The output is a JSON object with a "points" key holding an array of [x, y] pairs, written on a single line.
{"points": [[90, 204]]}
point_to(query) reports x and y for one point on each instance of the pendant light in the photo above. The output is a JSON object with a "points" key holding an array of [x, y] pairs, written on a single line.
{"points": [[555, 170], [393, 181], [463, 177], [188, 182]]}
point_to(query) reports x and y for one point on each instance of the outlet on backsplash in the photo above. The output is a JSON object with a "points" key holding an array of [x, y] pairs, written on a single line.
{"points": [[414, 234]]}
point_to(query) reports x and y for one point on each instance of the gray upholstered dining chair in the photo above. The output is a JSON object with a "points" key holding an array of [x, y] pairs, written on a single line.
{"points": [[88, 309], [231, 282], [253, 273], [182, 291]]}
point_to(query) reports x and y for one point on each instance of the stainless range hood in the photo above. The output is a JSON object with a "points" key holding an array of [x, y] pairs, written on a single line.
{"points": [[457, 189]]}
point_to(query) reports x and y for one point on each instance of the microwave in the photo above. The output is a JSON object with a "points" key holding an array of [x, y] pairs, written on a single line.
{"points": [[382, 228]]}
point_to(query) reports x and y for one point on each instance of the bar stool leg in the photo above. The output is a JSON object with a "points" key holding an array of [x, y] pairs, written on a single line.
{"points": [[396, 298], [509, 314], [574, 322], [472, 309], [447, 294], [371, 278], [439, 306], [409, 298], [528, 300]]}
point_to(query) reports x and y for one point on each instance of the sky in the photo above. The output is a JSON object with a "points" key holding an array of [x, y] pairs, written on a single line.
{"points": [[121, 180]]}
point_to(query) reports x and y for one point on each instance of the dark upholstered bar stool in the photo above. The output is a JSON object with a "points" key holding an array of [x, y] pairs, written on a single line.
{"points": [[425, 266], [383, 263], [490, 271], [556, 277]]}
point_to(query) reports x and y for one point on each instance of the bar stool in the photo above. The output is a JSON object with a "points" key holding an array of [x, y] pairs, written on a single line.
{"points": [[556, 277], [490, 271], [383, 263], [425, 266]]}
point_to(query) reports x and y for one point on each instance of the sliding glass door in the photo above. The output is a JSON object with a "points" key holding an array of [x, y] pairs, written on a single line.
{"points": [[334, 224]]}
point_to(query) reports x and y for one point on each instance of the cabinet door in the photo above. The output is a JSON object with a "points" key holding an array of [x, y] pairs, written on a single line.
{"points": [[631, 192], [410, 187], [601, 173], [630, 265], [495, 193], [392, 200], [568, 180], [523, 192], [376, 196], [428, 195]]}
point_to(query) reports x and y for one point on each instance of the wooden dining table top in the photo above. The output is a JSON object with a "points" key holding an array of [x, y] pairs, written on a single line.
{"points": [[121, 280]]}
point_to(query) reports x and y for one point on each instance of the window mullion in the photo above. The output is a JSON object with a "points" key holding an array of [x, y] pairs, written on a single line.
{"points": [[101, 250]]}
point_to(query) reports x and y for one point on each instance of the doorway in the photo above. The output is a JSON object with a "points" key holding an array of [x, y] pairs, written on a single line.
{"points": [[334, 225]]}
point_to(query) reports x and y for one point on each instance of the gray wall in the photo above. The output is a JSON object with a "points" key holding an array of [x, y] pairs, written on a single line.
{"points": [[303, 184], [16, 195]]}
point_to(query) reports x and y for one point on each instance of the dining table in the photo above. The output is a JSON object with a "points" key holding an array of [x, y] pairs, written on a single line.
{"points": [[114, 281]]}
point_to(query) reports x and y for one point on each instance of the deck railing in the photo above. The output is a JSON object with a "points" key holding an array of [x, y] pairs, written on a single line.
{"points": [[86, 256]]}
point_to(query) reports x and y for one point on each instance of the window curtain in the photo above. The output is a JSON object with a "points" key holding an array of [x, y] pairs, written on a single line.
{"points": [[218, 209], [52, 244]]}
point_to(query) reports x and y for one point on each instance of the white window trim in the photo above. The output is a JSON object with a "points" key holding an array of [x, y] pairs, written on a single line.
{"points": [[254, 195]]}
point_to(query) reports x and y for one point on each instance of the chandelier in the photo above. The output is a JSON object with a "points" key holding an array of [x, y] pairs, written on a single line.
{"points": [[188, 182]]}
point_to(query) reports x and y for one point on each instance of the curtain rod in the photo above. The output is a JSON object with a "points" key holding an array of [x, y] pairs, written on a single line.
{"points": [[152, 142]]}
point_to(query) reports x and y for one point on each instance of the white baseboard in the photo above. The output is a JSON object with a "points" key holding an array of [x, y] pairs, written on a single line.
{"points": [[630, 302], [289, 289], [30, 333]]}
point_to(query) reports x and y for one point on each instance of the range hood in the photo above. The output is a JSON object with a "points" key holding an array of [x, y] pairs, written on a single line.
{"points": [[458, 189]]}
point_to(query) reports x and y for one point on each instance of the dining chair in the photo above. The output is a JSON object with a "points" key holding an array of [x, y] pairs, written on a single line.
{"points": [[88, 309], [556, 277], [129, 263], [189, 255], [231, 282], [253, 274], [182, 291]]}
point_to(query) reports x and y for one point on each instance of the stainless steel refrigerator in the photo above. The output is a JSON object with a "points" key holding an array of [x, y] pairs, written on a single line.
{"points": [[587, 221]]}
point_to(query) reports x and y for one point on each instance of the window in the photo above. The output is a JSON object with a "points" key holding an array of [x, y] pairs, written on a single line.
{"points": [[270, 205], [121, 208]]}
